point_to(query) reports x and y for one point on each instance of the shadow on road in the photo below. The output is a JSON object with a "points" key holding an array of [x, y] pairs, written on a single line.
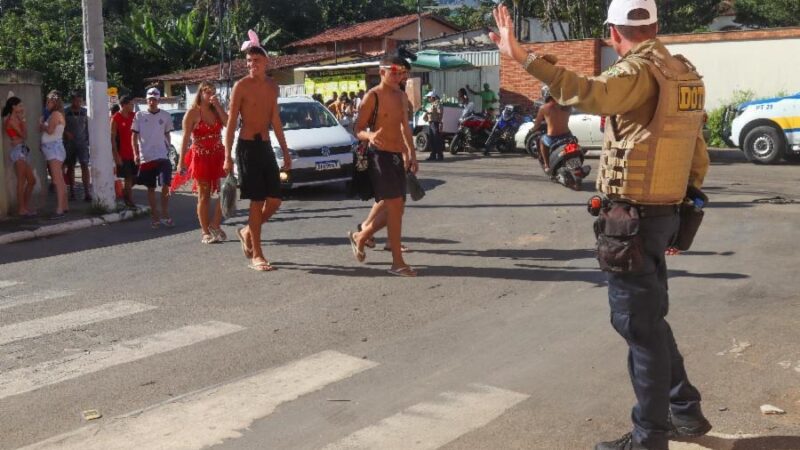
{"points": [[547, 254], [750, 443]]}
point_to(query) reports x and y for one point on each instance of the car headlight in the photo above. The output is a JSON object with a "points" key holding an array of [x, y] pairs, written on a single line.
{"points": [[279, 153]]}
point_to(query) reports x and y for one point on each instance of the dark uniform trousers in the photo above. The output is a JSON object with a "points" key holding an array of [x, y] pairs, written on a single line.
{"points": [[437, 141], [639, 304]]}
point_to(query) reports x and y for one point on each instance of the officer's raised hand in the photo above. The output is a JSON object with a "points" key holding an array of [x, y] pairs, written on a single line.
{"points": [[505, 40]]}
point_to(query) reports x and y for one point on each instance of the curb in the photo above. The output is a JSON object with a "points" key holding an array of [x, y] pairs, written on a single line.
{"points": [[60, 228]]}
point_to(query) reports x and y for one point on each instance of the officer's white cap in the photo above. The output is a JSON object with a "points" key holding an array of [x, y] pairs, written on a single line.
{"points": [[432, 93], [619, 9]]}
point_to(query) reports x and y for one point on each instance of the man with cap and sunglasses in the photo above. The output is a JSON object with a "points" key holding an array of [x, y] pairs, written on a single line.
{"points": [[653, 154]]}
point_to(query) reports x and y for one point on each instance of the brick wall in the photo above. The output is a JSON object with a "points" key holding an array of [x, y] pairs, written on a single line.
{"points": [[520, 88]]}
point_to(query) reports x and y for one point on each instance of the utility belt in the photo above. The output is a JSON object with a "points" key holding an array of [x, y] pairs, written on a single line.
{"points": [[620, 248]]}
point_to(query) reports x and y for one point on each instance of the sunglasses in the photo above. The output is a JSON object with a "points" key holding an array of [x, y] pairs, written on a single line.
{"points": [[395, 69]]}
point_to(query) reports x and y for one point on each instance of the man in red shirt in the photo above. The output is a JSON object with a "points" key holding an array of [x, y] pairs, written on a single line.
{"points": [[121, 123]]}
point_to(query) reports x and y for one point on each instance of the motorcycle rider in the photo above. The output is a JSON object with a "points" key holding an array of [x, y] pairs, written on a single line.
{"points": [[557, 118]]}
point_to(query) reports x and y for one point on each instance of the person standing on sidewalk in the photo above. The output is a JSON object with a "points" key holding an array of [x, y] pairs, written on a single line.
{"points": [[203, 161], [255, 99], [53, 149], [122, 147], [76, 142], [389, 159], [151, 129], [16, 130], [653, 154], [434, 118], [488, 97]]}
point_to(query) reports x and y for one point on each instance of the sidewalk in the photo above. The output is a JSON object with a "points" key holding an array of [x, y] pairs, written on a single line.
{"points": [[81, 214]]}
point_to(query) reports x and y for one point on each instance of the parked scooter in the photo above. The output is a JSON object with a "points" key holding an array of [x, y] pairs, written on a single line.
{"points": [[502, 134], [473, 132], [566, 159]]}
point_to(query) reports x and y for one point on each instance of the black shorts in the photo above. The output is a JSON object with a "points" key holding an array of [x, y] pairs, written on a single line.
{"points": [[259, 176], [387, 173], [159, 171], [127, 169]]}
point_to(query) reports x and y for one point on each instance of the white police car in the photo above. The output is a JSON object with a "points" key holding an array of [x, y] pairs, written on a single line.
{"points": [[765, 130]]}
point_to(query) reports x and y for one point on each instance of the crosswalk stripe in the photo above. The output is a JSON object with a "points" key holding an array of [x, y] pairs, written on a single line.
{"points": [[430, 425], [208, 417], [61, 322], [7, 283], [31, 378], [11, 301]]}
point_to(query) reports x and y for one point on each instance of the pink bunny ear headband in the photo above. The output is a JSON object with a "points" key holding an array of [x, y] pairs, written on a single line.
{"points": [[253, 42]]}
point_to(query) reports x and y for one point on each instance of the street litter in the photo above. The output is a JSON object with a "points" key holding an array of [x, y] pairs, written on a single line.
{"points": [[736, 349], [771, 410], [92, 414]]}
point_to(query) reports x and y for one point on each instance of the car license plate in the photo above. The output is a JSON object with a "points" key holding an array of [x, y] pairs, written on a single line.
{"points": [[327, 165]]}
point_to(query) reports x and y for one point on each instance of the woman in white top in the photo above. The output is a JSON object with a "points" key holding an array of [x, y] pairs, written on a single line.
{"points": [[53, 148]]}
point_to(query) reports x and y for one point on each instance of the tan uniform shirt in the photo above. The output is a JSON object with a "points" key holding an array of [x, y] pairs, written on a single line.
{"points": [[435, 113], [628, 91]]}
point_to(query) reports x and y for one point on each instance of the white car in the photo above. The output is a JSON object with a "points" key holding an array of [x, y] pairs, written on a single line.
{"points": [[321, 149], [765, 130], [588, 128]]}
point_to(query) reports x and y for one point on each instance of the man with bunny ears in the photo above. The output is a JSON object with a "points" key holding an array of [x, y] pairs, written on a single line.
{"points": [[255, 98]]}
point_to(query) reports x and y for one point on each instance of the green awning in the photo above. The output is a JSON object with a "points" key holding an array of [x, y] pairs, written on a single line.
{"points": [[436, 60]]}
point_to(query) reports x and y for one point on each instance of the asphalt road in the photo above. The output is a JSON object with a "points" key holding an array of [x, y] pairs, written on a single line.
{"points": [[502, 342]]}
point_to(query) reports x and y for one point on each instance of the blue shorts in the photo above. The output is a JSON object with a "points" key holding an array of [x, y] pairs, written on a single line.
{"points": [[20, 152], [152, 172], [54, 151], [549, 140]]}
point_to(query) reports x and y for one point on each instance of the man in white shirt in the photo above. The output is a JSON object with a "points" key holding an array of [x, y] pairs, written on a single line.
{"points": [[150, 135]]}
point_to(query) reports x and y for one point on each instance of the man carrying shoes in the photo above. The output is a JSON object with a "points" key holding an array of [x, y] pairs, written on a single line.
{"points": [[653, 152]]}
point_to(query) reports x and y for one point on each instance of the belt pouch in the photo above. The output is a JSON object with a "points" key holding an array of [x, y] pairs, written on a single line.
{"points": [[619, 246], [691, 218]]}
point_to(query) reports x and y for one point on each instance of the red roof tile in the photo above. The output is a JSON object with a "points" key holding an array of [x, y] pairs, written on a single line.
{"points": [[239, 67], [372, 29]]}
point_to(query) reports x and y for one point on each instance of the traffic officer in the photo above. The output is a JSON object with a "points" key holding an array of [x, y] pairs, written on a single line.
{"points": [[653, 152], [434, 118]]}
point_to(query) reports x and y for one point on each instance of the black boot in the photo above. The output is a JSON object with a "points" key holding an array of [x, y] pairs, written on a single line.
{"points": [[623, 443], [689, 427]]}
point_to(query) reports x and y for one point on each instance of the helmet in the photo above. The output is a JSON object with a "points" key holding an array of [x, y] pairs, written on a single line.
{"points": [[546, 93]]}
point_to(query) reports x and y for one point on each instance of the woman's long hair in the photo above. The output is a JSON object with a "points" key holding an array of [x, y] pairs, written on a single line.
{"points": [[198, 99], [10, 104]]}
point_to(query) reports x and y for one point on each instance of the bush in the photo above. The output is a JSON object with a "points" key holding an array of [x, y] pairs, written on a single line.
{"points": [[715, 123]]}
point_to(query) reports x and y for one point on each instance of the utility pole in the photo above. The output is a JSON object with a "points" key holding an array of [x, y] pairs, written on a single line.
{"points": [[419, 25], [97, 104]]}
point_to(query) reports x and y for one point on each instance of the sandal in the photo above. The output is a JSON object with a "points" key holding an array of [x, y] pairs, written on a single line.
{"points": [[248, 253], [403, 249], [360, 255], [405, 271], [155, 224], [262, 267], [219, 235], [369, 242], [168, 222], [208, 238]]}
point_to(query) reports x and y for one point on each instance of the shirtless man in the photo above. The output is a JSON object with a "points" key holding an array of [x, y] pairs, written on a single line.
{"points": [[255, 98], [390, 157], [557, 118]]}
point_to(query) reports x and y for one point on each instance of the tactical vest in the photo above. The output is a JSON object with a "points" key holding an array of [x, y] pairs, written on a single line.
{"points": [[652, 166]]}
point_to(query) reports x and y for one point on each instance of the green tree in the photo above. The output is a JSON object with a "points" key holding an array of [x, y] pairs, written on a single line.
{"points": [[45, 36], [768, 13]]}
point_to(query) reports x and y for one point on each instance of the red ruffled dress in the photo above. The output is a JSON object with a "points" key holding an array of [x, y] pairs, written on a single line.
{"points": [[204, 159]]}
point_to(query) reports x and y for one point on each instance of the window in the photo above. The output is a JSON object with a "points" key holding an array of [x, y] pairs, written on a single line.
{"points": [[304, 116]]}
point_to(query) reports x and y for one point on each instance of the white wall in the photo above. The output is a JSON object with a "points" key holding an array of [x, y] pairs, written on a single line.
{"points": [[765, 67]]}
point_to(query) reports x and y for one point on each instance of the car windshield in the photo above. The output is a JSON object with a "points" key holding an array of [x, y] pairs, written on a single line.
{"points": [[306, 115], [177, 120]]}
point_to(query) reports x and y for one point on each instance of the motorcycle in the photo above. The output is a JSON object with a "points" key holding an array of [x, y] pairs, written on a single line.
{"points": [[473, 132], [566, 158], [502, 135]]}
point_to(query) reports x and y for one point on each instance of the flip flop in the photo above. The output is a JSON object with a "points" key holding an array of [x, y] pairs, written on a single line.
{"points": [[405, 271], [208, 239], [360, 256], [403, 249], [262, 267], [219, 234], [248, 253]]}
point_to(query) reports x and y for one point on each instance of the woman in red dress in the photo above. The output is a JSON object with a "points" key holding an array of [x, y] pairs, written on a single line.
{"points": [[203, 161]]}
